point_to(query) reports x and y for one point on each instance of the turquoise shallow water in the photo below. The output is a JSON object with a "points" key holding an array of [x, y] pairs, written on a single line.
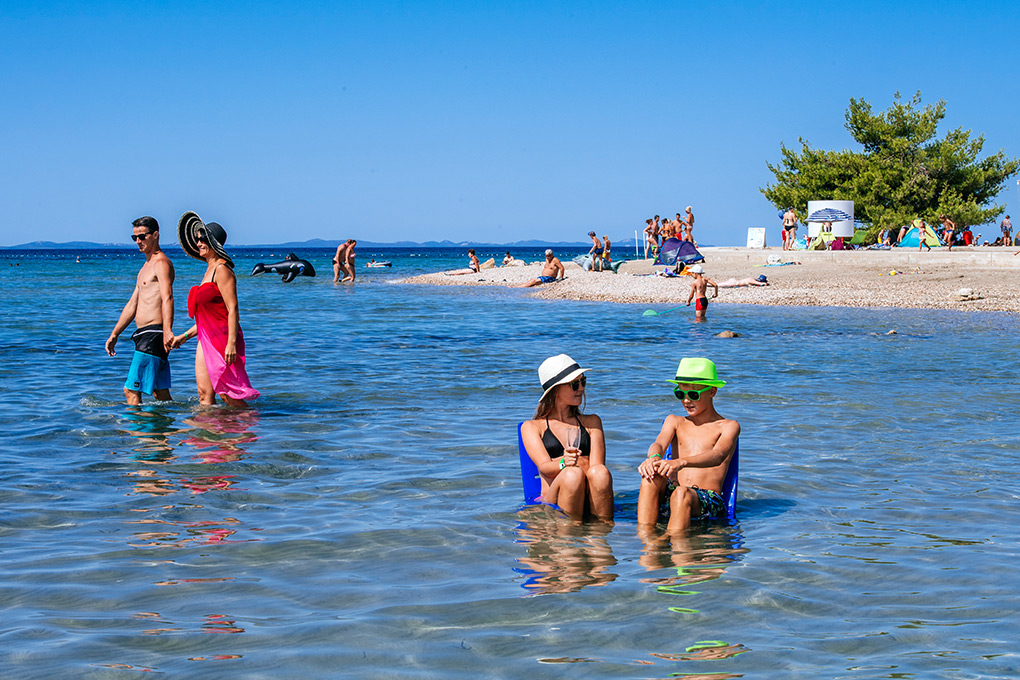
{"points": [[362, 520]]}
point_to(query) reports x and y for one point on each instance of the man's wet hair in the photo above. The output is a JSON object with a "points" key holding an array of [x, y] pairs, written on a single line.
{"points": [[149, 223]]}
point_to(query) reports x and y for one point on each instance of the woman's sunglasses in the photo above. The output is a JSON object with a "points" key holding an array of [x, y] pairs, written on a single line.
{"points": [[579, 383], [693, 395]]}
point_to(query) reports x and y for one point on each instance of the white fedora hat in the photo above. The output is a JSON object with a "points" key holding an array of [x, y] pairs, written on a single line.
{"points": [[558, 370]]}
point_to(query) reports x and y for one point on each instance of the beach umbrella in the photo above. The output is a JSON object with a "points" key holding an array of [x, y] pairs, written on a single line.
{"points": [[828, 215]]}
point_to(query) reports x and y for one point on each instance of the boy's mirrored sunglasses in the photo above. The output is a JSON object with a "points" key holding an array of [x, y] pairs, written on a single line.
{"points": [[579, 383], [693, 395]]}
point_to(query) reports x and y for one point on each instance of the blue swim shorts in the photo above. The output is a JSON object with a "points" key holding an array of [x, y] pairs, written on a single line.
{"points": [[546, 279], [150, 370]]}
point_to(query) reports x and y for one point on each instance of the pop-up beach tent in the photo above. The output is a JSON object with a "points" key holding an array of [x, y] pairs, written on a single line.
{"points": [[675, 251], [912, 239]]}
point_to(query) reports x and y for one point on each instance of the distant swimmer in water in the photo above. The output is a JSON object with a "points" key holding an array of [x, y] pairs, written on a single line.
{"points": [[699, 289], [567, 446], [552, 269], [473, 266], [741, 283], [152, 308]]}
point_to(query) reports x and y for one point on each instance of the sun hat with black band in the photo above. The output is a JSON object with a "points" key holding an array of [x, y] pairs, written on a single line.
{"points": [[558, 370], [697, 371], [190, 228]]}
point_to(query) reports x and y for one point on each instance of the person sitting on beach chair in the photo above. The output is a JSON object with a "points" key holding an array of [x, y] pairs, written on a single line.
{"points": [[702, 443], [549, 271], [568, 447]]}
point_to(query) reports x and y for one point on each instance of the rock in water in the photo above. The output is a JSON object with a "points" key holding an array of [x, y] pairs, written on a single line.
{"points": [[728, 334]]}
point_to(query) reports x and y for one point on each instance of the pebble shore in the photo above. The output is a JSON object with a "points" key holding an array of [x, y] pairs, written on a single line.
{"points": [[979, 278]]}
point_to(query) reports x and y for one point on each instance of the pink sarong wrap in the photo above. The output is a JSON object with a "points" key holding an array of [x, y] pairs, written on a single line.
{"points": [[206, 307]]}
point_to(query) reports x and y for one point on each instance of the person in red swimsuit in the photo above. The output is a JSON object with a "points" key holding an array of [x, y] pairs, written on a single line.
{"points": [[220, 358]]}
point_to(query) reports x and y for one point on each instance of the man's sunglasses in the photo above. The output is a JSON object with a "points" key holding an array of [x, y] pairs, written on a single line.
{"points": [[579, 383], [139, 237], [693, 395]]}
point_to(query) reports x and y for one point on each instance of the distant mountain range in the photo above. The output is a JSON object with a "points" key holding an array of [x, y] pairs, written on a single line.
{"points": [[312, 243]]}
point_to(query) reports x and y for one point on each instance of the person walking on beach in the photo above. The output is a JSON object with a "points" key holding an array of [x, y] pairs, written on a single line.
{"points": [[948, 230], [699, 288], [922, 234], [689, 221], [1007, 230], [567, 446], [151, 306], [702, 444], [550, 270], [219, 358], [789, 228]]}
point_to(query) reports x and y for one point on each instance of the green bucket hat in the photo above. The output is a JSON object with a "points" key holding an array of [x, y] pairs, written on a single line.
{"points": [[697, 371]]}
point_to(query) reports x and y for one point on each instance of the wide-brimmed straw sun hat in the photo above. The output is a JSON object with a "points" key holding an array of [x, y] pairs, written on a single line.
{"points": [[191, 227], [558, 370], [697, 371]]}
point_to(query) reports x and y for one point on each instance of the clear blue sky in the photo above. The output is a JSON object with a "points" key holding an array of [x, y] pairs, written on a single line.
{"points": [[461, 121]]}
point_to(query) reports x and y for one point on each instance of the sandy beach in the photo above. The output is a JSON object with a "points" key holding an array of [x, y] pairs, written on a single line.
{"points": [[859, 278]]}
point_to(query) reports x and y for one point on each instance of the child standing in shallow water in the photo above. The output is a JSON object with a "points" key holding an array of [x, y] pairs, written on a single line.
{"points": [[699, 288]]}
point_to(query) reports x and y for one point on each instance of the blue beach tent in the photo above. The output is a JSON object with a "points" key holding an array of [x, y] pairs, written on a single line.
{"points": [[675, 251], [912, 239]]}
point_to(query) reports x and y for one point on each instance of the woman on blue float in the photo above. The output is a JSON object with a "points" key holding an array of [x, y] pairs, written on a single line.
{"points": [[576, 480]]}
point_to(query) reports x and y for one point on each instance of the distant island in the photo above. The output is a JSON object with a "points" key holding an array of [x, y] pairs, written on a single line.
{"points": [[312, 243]]}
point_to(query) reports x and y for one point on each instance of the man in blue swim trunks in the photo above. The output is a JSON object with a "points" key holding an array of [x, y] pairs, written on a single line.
{"points": [[702, 444], [152, 308], [552, 268]]}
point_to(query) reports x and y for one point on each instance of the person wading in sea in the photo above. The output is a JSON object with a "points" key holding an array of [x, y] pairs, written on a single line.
{"points": [[151, 306]]}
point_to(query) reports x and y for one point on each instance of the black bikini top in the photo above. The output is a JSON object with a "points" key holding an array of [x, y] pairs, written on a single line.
{"points": [[554, 447]]}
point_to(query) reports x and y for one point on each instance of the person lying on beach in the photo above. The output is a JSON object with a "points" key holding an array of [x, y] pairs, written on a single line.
{"points": [[702, 444], [741, 283], [567, 446], [552, 267], [699, 288], [472, 268]]}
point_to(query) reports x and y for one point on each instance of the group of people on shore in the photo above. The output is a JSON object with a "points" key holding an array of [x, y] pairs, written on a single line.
{"points": [[220, 355], [343, 261], [659, 231], [569, 449]]}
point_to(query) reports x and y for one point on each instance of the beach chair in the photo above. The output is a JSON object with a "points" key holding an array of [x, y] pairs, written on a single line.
{"points": [[530, 478]]}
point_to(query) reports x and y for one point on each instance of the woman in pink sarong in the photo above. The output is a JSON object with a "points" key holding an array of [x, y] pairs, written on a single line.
{"points": [[219, 359]]}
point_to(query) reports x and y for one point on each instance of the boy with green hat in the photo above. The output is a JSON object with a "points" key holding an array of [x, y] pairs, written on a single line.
{"points": [[702, 442]]}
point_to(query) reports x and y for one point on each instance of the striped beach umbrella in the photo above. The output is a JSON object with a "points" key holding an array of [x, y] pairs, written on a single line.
{"points": [[828, 215]]}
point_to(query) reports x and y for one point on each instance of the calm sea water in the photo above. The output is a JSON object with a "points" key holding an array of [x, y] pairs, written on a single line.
{"points": [[363, 518]]}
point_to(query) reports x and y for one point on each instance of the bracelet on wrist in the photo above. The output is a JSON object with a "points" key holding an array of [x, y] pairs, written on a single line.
{"points": [[563, 463], [656, 455]]}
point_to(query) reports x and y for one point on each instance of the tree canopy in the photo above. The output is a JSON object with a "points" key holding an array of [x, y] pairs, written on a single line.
{"points": [[903, 172]]}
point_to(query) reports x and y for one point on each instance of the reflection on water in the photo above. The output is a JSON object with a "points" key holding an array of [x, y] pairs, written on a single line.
{"points": [[563, 555], [218, 433]]}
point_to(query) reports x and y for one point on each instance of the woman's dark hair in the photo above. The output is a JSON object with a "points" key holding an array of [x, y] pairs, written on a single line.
{"points": [[546, 403]]}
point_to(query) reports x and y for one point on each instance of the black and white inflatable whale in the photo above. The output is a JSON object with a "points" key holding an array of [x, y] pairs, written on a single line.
{"points": [[291, 267]]}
